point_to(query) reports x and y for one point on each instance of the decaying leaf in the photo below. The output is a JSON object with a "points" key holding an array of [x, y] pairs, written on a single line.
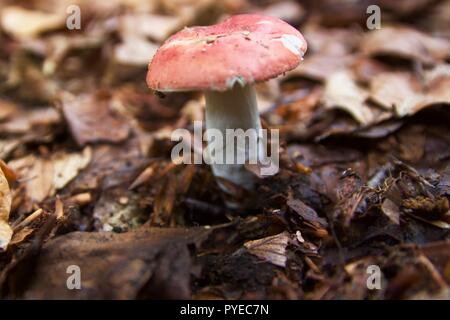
{"points": [[272, 249], [9, 174], [153, 26], [5, 208], [433, 211], [393, 90], [306, 213], [91, 119], [44, 176], [341, 91], [391, 210], [363, 177], [135, 51], [289, 11], [406, 95], [23, 23], [149, 262], [26, 120], [6, 109], [21, 235], [320, 66], [402, 42]]}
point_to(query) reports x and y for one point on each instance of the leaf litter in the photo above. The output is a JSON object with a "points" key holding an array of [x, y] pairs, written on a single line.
{"points": [[86, 177]]}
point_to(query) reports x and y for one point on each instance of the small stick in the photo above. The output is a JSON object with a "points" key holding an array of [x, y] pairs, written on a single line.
{"points": [[28, 220]]}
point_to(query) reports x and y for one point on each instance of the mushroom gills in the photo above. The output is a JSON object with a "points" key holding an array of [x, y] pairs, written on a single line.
{"points": [[234, 109]]}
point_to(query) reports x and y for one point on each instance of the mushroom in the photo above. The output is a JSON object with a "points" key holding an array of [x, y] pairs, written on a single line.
{"points": [[224, 61]]}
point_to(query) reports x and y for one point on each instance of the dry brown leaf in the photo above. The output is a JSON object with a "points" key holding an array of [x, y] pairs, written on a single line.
{"points": [[91, 118], [44, 176], [5, 208], [406, 95], [319, 66], [391, 210], [186, 178], [151, 261], [334, 42], [7, 146], [165, 201], [328, 52], [6, 109], [272, 249], [135, 51], [392, 89], [307, 213], [341, 91], [57, 47], [26, 120], [405, 7], [289, 11], [402, 42], [23, 23], [190, 11], [154, 26], [21, 235], [10, 175], [366, 68]]}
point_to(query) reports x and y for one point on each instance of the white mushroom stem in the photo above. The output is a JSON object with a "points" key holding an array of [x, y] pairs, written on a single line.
{"points": [[234, 109]]}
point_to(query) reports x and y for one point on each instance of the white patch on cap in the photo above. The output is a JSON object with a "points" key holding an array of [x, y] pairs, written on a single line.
{"points": [[293, 44], [264, 22], [235, 79]]}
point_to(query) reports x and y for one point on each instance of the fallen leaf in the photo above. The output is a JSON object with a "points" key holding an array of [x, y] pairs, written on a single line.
{"points": [[91, 119], [434, 211], [154, 26], [405, 7], [136, 51], [57, 47], [406, 95], [43, 176], [21, 235], [6, 109], [5, 208], [341, 91], [406, 43], [26, 120], [153, 262], [272, 249], [319, 66], [307, 213], [23, 23], [393, 89], [189, 11], [10, 175], [289, 11], [391, 210]]}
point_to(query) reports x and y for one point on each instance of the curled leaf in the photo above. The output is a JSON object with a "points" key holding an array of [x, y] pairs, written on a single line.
{"points": [[5, 208], [272, 249]]}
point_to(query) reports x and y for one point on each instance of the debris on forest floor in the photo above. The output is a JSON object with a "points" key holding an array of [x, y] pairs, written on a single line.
{"points": [[86, 177]]}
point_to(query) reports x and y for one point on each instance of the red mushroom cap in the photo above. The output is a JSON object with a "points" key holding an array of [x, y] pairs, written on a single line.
{"points": [[242, 49]]}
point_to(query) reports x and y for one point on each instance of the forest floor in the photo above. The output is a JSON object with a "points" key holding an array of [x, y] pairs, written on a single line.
{"points": [[87, 179]]}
